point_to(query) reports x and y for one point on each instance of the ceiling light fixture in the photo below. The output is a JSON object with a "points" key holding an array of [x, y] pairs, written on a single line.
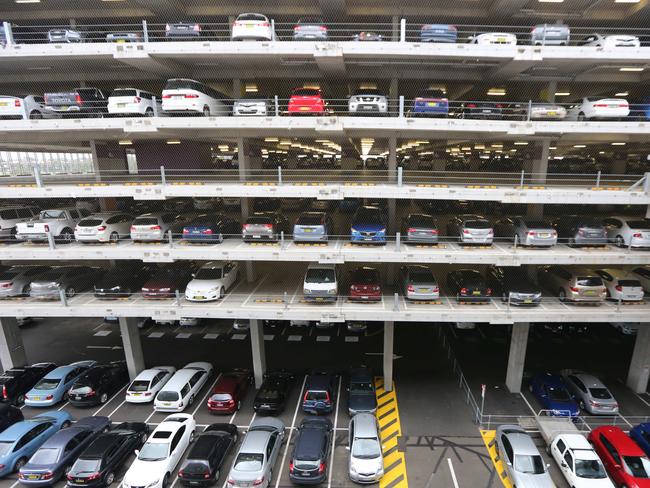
{"points": [[125, 142], [579, 146], [562, 94], [631, 68], [174, 141], [621, 94], [521, 143], [618, 143]]}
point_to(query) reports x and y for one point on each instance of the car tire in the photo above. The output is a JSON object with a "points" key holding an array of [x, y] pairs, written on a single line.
{"points": [[66, 424], [149, 112], [581, 404], [165, 481], [581, 117], [206, 111], [562, 295], [190, 402], [530, 388], [620, 242], [109, 478], [238, 405], [192, 437], [222, 292], [70, 292], [66, 235], [20, 400], [26, 290], [20, 463], [114, 237], [35, 115], [103, 398]]}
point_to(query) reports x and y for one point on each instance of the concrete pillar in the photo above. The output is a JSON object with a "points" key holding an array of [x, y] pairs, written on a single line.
{"points": [[132, 345], [395, 21], [236, 88], [393, 97], [551, 89], [517, 356], [242, 157], [539, 170], [637, 375], [392, 177], [12, 351], [619, 166], [389, 338], [259, 354]]}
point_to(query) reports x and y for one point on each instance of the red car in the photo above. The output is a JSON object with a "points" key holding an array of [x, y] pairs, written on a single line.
{"points": [[625, 462], [307, 101], [365, 284], [168, 279], [228, 392]]}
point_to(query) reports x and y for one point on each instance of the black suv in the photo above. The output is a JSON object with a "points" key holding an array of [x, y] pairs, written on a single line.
{"points": [[9, 415], [272, 395], [15, 382], [98, 384], [512, 284], [320, 393], [210, 449], [308, 465], [361, 391]]}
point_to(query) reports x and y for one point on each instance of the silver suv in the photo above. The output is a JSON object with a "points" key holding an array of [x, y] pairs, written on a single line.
{"points": [[573, 284], [368, 101]]}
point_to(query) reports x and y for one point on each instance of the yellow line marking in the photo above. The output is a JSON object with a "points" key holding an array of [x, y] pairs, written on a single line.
{"points": [[390, 429], [488, 439]]}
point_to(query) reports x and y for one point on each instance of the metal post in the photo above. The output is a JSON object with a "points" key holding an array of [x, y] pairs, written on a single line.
{"points": [[402, 30], [178, 297], [646, 183], [279, 175], [163, 178], [145, 31], [521, 179], [398, 241], [9, 37], [170, 238], [516, 241], [155, 107], [281, 239], [273, 30], [396, 302], [50, 240], [63, 298], [37, 176], [285, 299], [618, 304], [399, 175], [401, 106], [277, 106], [530, 108], [598, 179]]}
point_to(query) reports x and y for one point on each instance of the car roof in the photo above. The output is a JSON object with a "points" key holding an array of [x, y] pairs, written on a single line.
{"points": [[13, 432], [165, 426], [589, 380], [147, 374], [318, 381], [102, 443], [213, 265], [365, 425], [522, 443], [361, 374], [309, 443], [321, 266], [624, 444], [255, 442], [59, 372], [60, 438], [618, 273], [226, 383], [577, 442]]}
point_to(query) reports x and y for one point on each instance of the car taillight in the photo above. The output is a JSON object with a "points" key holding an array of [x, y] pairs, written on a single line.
{"points": [[237, 24], [532, 233], [467, 231], [619, 288], [296, 27], [6, 285], [601, 105], [463, 291], [488, 291], [291, 466], [91, 393], [49, 397], [4, 392], [623, 105], [230, 480], [196, 28], [638, 235], [436, 289], [191, 95], [206, 231], [574, 289], [304, 398], [411, 229], [181, 473], [168, 27], [418, 99], [137, 100], [166, 96], [322, 28], [154, 227], [410, 288], [498, 105], [16, 103], [148, 393], [321, 468], [101, 228], [46, 227], [554, 233], [133, 228], [78, 98], [186, 230], [46, 476], [206, 476], [265, 24], [471, 105], [268, 226]]}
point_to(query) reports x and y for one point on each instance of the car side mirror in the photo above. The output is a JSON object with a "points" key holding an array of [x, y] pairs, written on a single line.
{"points": [[137, 452], [193, 275], [563, 464], [617, 466], [347, 448]]}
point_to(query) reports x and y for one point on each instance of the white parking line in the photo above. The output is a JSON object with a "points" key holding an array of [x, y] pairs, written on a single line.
{"points": [[63, 406], [146, 421], [206, 395], [641, 398], [528, 403], [293, 426], [110, 399], [252, 293], [116, 409], [336, 419], [453, 473]]}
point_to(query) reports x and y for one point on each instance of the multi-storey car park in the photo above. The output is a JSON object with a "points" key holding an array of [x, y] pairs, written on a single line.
{"points": [[500, 129]]}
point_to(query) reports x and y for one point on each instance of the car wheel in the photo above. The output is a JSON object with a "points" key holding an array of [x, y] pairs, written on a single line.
{"points": [[66, 235], [143, 437], [530, 388], [70, 292], [20, 463], [109, 478], [66, 424], [238, 405], [191, 402], [572, 242], [581, 405], [36, 115], [148, 112], [191, 437], [620, 242], [206, 111], [115, 237], [581, 117], [64, 397], [165, 481], [562, 295], [222, 292], [20, 400], [103, 398], [26, 290]]}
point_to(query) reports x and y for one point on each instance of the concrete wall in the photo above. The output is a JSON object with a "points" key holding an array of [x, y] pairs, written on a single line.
{"points": [[151, 155]]}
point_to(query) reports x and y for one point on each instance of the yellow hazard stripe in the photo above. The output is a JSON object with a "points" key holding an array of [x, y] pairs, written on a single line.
{"points": [[390, 430], [491, 446]]}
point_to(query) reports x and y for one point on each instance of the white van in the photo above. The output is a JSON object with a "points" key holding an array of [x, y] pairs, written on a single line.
{"points": [[321, 283], [182, 389], [133, 101], [184, 96]]}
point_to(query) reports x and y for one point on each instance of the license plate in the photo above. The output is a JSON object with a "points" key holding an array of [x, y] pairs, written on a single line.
{"points": [[476, 293], [79, 480], [121, 105], [590, 293], [249, 26], [432, 104], [308, 230], [182, 27], [119, 41], [64, 107], [35, 398], [200, 297], [544, 235], [257, 237], [552, 113], [167, 404], [304, 108], [77, 397], [501, 39], [4, 104], [423, 290], [136, 394], [528, 300], [33, 477]]}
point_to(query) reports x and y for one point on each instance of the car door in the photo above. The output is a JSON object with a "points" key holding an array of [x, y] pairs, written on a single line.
{"points": [[557, 451], [38, 435], [196, 381], [578, 388], [567, 465], [177, 447], [272, 449], [611, 459]]}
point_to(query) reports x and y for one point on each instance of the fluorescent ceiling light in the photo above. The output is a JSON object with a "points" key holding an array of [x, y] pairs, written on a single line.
{"points": [[285, 143], [562, 94], [627, 1], [250, 88], [621, 94], [125, 142], [631, 68], [578, 146], [465, 148], [618, 143], [27, 1], [552, 147], [496, 92], [271, 139], [174, 141], [601, 152], [550, 1], [521, 143]]}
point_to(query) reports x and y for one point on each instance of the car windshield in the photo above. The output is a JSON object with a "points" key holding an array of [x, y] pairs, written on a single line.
{"points": [[47, 384], [139, 385], [258, 17], [529, 464], [5, 448], [209, 274], [153, 451], [249, 462], [589, 281], [421, 221], [368, 92], [259, 220], [637, 466], [311, 21], [361, 386], [306, 463], [85, 466], [537, 224], [600, 393], [52, 214], [363, 448], [590, 468], [558, 394], [167, 396], [320, 276], [45, 455]]}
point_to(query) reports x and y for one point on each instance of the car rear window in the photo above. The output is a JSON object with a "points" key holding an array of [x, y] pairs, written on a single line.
{"points": [[145, 221], [589, 281], [176, 84], [631, 283], [477, 224], [317, 395], [365, 276], [320, 276], [90, 222], [600, 393], [124, 92], [168, 396], [306, 92], [85, 466], [251, 17], [309, 220], [537, 224], [638, 224], [45, 455], [139, 385], [47, 384], [196, 467], [311, 21], [221, 397], [421, 276], [7, 214], [421, 221]]}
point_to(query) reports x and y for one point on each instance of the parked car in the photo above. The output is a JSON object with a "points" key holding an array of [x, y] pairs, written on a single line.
{"points": [[621, 285], [123, 37], [160, 454], [361, 391], [126, 278], [16, 281], [20, 441], [148, 383], [9, 415], [641, 435], [252, 27], [628, 232], [368, 101], [133, 101], [365, 285], [59, 222], [418, 283], [591, 394], [11, 216], [368, 226], [253, 106], [69, 279], [553, 394], [308, 101], [104, 227], [592, 108], [182, 31], [321, 283], [272, 396], [185, 96], [625, 462], [168, 279], [578, 462], [430, 102], [183, 388], [51, 461], [580, 231], [211, 229], [264, 226], [155, 226], [481, 110], [207, 455], [98, 384], [366, 36], [65, 36], [309, 460], [87, 102], [610, 41], [97, 465], [16, 382], [467, 285], [547, 111], [310, 29], [550, 35], [491, 38], [626, 328], [212, 281], [521, 459], [320, 393], [229, 390], [470, 229], [438, 33], [312, 227], [513, 285], [642, 273], [572, 284], [27, 107], [257, 454], [529, 232], [366, 462], [420, 229], [54, 386]]}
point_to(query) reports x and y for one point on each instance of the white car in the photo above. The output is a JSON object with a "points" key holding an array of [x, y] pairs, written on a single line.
{"points": [[615, 40], [11, 216], [578, 462], [104, 227], [159, 456], [495, 38], [184, 96], [599, 108], [30, 107], [321, 282], [252, 27], [621, 285], [133, 101], [212, 281], [148, 383], [182, 388], [152, 226], [624, 231], [642, 273]]}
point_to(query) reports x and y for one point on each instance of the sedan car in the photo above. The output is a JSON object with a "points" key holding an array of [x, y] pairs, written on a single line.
{"points": [[123, 37], [16, 281], [16, 382], [169, 279], [66, 36], [310, 29], [261, 106], [20, 441], [513, 285], [366, 36], [592, 395], [627, 232], [211, 229], [592, 108], [368, 226], [550, 35], [264, 226], [206, 457], [257, 455], [272, 395], [182, 31], [438, 33], [212, 281], [467, 285], [124, 279], [418, 283], [553, 394], [366, 101], [573, 284], [312, 227], [69, 279], [470, 229], [365, 285], [229, 391], [308, 101], [580, 231], [522, 461], [491, 38], [30, 106], [547, 111], [96, 385], [148, 383], [621, 285], [51, 461], [54, 386], [154, 226], [252, 27], [642, 273], [529, 232], [430, 103], [104, 227], [420, 229], [625, 462], [97, 465], [609, 41], [155, 462], [309, 461], [578, 462]]}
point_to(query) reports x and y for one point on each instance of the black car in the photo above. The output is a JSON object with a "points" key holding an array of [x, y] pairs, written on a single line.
{"points": [[266, 205], [125, 279], [272, 395], [512, 285], [98, 384], [9, 415], [361, 391], [97, 464], [309, 461], [210, 448], [481, 110], [467, 285], [15, 382], [580, 231]]}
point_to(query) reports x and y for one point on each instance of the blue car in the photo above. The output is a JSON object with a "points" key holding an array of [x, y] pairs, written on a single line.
{"points": [[54, 386], [641, 435], [368, 226], [438, 33], [211, 229], [20, 441], [49, 462], [430, 103], [640, 109], [551, 391]]}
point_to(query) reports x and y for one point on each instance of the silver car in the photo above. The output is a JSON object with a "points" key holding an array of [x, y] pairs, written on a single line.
{"points": [[418, 283], [310, 29], [312, 227], [65, 36], [16, 281], [368, 100], [154, 226], [523, 462], [573, 284], [550, 35], [253, 465], [471, 229], [70, 279], [592, 395], [624, 231], [252, 106], [529, 232]]}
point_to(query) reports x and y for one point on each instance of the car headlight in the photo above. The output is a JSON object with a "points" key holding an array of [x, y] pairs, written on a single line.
{"points": [[353, 469], [381, 232], [151, 485], [354, 231], [164, 289], [331, 292]]}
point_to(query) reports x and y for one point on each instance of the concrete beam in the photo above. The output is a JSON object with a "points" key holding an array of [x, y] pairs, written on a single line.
{"points": [[330, 61], [131, 55], [164, 8], [132, 345], [259, 353], [505, 8], [637, 376], [333, 8], [517, 356], [389, 338], [12, 351]]}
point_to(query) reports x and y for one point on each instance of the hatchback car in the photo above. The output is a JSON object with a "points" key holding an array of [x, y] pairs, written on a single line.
{"points": [[168, 279], [546, 111], [553, 394], [124, 279], [368, 101], [133, 101], [104, 227], [580, 231], [69, 279], [470, 229], [642, 273], [550, 35], [182, 96], [321, 283], [522, 461], [320, 393], [420, 229], [592, 395], [16, 382], [481, 110], [627, 232], [438, 33], [229, 391], [272, 396], [310, 29], [30, 106], [309, 461], [148, 383], [210, 229], [182, 31], [264, 226], [621, 285], [154, 226], [252, 27], [65, 36], [418, 283], [430, 103], [368, 226], [54, 386], [212, 281], [96, 385], [529, 232], [513, 285], [573, 284], [467, 285], [207, 455], [365, 285], [361, 391], [307, 101], [312, 227], [366, 462], [625, 462]]}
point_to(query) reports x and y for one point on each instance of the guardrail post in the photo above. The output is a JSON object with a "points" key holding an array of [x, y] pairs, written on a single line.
{"points": [[63, 298], [145, 31], [281, 239], [401, 106], [285, 299], [402, 30], [178, 297], [516, 241], [521, 179], [629, 246], [170, 238], [37, 176], [400, 175], [530, 108], [398, 241], [50, 240], [155, 106], [598, 178], [279, 175], [273, 30], [9, 36], [646, 183], [395, 302], [163, 178], [277, 106]]}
